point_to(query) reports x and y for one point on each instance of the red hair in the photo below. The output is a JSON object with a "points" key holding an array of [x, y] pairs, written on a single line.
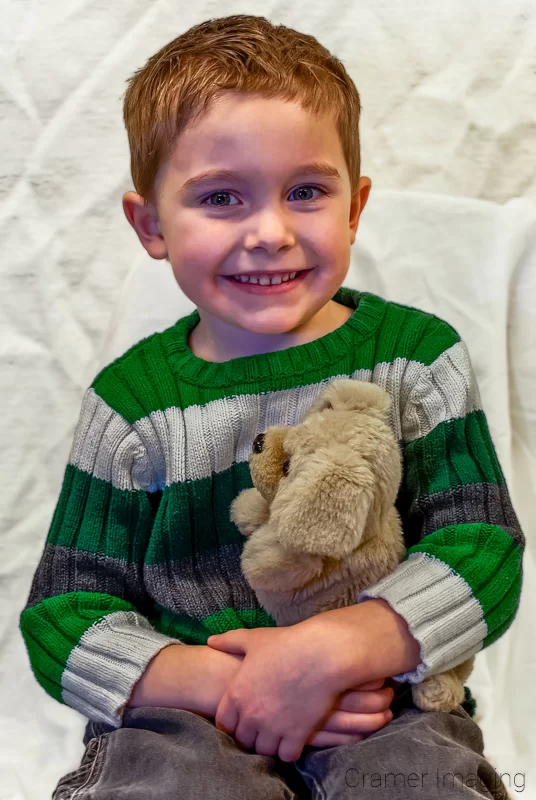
{"points": [[237, 53]]}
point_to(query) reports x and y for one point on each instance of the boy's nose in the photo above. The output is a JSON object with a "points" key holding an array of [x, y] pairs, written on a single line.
{"points": [[272, 233]]}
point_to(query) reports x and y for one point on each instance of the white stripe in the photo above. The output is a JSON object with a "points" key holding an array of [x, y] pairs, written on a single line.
{"points": [[444, 391], [103, 668], [440, 609], [220, 433], [423, 670], [108, 447], [173, 446]]}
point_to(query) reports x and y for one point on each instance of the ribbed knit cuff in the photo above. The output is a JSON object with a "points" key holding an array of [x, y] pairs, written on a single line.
{"points": [[110, 658], [440, 609]]}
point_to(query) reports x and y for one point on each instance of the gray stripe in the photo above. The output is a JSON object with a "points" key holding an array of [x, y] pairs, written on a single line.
{"points": [[397, 378], [110, 658], [446, 390], [198, 587], [440, 609], [63, 570], [108, 447], [202, 585], [477, 502]]}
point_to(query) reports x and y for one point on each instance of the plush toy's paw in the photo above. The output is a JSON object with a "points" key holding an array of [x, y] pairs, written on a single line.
{"points": [[269, 566], [249, 511], [442, 692]]}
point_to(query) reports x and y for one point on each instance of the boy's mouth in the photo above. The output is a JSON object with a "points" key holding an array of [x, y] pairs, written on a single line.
{"points": [[266, 283]]}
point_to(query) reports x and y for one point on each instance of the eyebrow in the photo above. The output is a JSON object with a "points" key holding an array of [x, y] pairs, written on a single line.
{"points": [[214, 175]]}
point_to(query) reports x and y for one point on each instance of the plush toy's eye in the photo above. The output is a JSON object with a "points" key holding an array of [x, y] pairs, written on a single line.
{"points": [[286, 466], [258, 443]]}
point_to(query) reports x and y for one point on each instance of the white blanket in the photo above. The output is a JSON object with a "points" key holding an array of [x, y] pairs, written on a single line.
{"points": [[470, 262], [444, 113]]}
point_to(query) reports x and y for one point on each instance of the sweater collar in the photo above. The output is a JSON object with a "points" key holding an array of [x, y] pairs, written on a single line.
{"points": [[269, 368]]}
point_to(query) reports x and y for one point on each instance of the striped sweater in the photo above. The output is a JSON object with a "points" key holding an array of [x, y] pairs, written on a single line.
{"points": [[141, 551]]}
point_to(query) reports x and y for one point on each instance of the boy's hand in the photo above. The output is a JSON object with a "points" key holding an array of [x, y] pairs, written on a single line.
{"points": [[357, 714], [284, 689]]}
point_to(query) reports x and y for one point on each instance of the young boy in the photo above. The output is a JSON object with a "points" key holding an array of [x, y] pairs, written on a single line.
{"points": [[245, 158]]}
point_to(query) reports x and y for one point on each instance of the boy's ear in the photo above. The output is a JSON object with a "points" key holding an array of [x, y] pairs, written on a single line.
{"points": [[357, 204], [144, 219]]}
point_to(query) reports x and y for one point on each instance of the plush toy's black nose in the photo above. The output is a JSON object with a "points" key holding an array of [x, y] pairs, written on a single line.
{"points": [[258, 443]]}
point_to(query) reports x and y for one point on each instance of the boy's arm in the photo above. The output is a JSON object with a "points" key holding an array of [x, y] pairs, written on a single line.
{"points": [[190, 677], [84, 624], [459, 585]]}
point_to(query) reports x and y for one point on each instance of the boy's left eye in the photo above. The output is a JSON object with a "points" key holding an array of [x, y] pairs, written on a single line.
{"points": [[221, 198], [306, 189]]}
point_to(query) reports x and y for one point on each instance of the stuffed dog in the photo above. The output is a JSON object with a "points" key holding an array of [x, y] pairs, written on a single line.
{"points": [[321, 522]]}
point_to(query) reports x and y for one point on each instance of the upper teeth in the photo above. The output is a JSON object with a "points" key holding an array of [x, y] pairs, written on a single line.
{"points": [[265, 280]]}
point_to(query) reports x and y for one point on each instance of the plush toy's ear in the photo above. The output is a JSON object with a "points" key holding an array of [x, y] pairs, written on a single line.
{"points": [[323, 506]]}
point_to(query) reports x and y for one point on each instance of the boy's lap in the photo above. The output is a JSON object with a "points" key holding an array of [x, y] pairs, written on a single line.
{"points": [[163, 753], [418, 754]]}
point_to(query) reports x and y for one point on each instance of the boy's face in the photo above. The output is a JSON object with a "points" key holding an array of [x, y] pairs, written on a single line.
{"points": [[272, 214]]}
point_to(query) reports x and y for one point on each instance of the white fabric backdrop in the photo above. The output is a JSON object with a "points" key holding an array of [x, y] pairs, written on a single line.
{"points": [[448, 94]]}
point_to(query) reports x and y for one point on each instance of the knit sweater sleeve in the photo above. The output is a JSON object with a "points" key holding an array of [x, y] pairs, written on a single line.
{"points": [[459, 585], [85, 623]]}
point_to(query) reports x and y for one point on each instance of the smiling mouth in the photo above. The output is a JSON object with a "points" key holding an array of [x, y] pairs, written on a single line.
{"points": [[263, 279]]}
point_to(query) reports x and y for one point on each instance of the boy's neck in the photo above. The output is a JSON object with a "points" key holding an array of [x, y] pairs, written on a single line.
{"points": [[212, 346]]}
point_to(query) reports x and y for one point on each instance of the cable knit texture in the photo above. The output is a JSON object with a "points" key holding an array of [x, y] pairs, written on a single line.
{"points": [[141, 551]]}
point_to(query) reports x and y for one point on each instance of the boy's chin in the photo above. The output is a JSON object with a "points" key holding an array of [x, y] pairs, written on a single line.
{"points": [[274, 327]]}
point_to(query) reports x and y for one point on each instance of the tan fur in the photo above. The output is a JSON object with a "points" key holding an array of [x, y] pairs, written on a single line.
{"points": [[326, 530]]}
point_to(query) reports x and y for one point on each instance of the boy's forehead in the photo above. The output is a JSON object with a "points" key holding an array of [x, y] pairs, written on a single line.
{"points": [[257, 134], [253, 110]]}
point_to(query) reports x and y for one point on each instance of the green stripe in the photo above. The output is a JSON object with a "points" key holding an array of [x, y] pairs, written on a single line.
{"points": [[56, 625], [489, 560], [196, 515], [191, 631], [505, 624], [94, 516], [455, 453], [140, 381], [161, 372], [502, 609], [413, 334], [50, 686]]}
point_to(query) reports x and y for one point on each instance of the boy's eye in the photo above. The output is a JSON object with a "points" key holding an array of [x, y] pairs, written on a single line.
{"points": [[301, 191], [222, 199]]}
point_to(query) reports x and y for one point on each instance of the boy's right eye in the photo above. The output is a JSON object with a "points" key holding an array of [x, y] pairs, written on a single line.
{"points": [[219, 196]]}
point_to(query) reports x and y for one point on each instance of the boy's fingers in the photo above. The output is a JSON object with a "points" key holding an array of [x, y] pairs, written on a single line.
{"points": [[342, 722], [368, 686], [366, 702], [328, 739]]}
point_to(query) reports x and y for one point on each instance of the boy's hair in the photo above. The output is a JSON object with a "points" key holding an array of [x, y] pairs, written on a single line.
{"points": [[238, 53]]}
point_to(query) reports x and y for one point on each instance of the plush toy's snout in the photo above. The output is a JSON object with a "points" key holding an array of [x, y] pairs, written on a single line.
{"points": [[258, 447], [268, 461]]}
